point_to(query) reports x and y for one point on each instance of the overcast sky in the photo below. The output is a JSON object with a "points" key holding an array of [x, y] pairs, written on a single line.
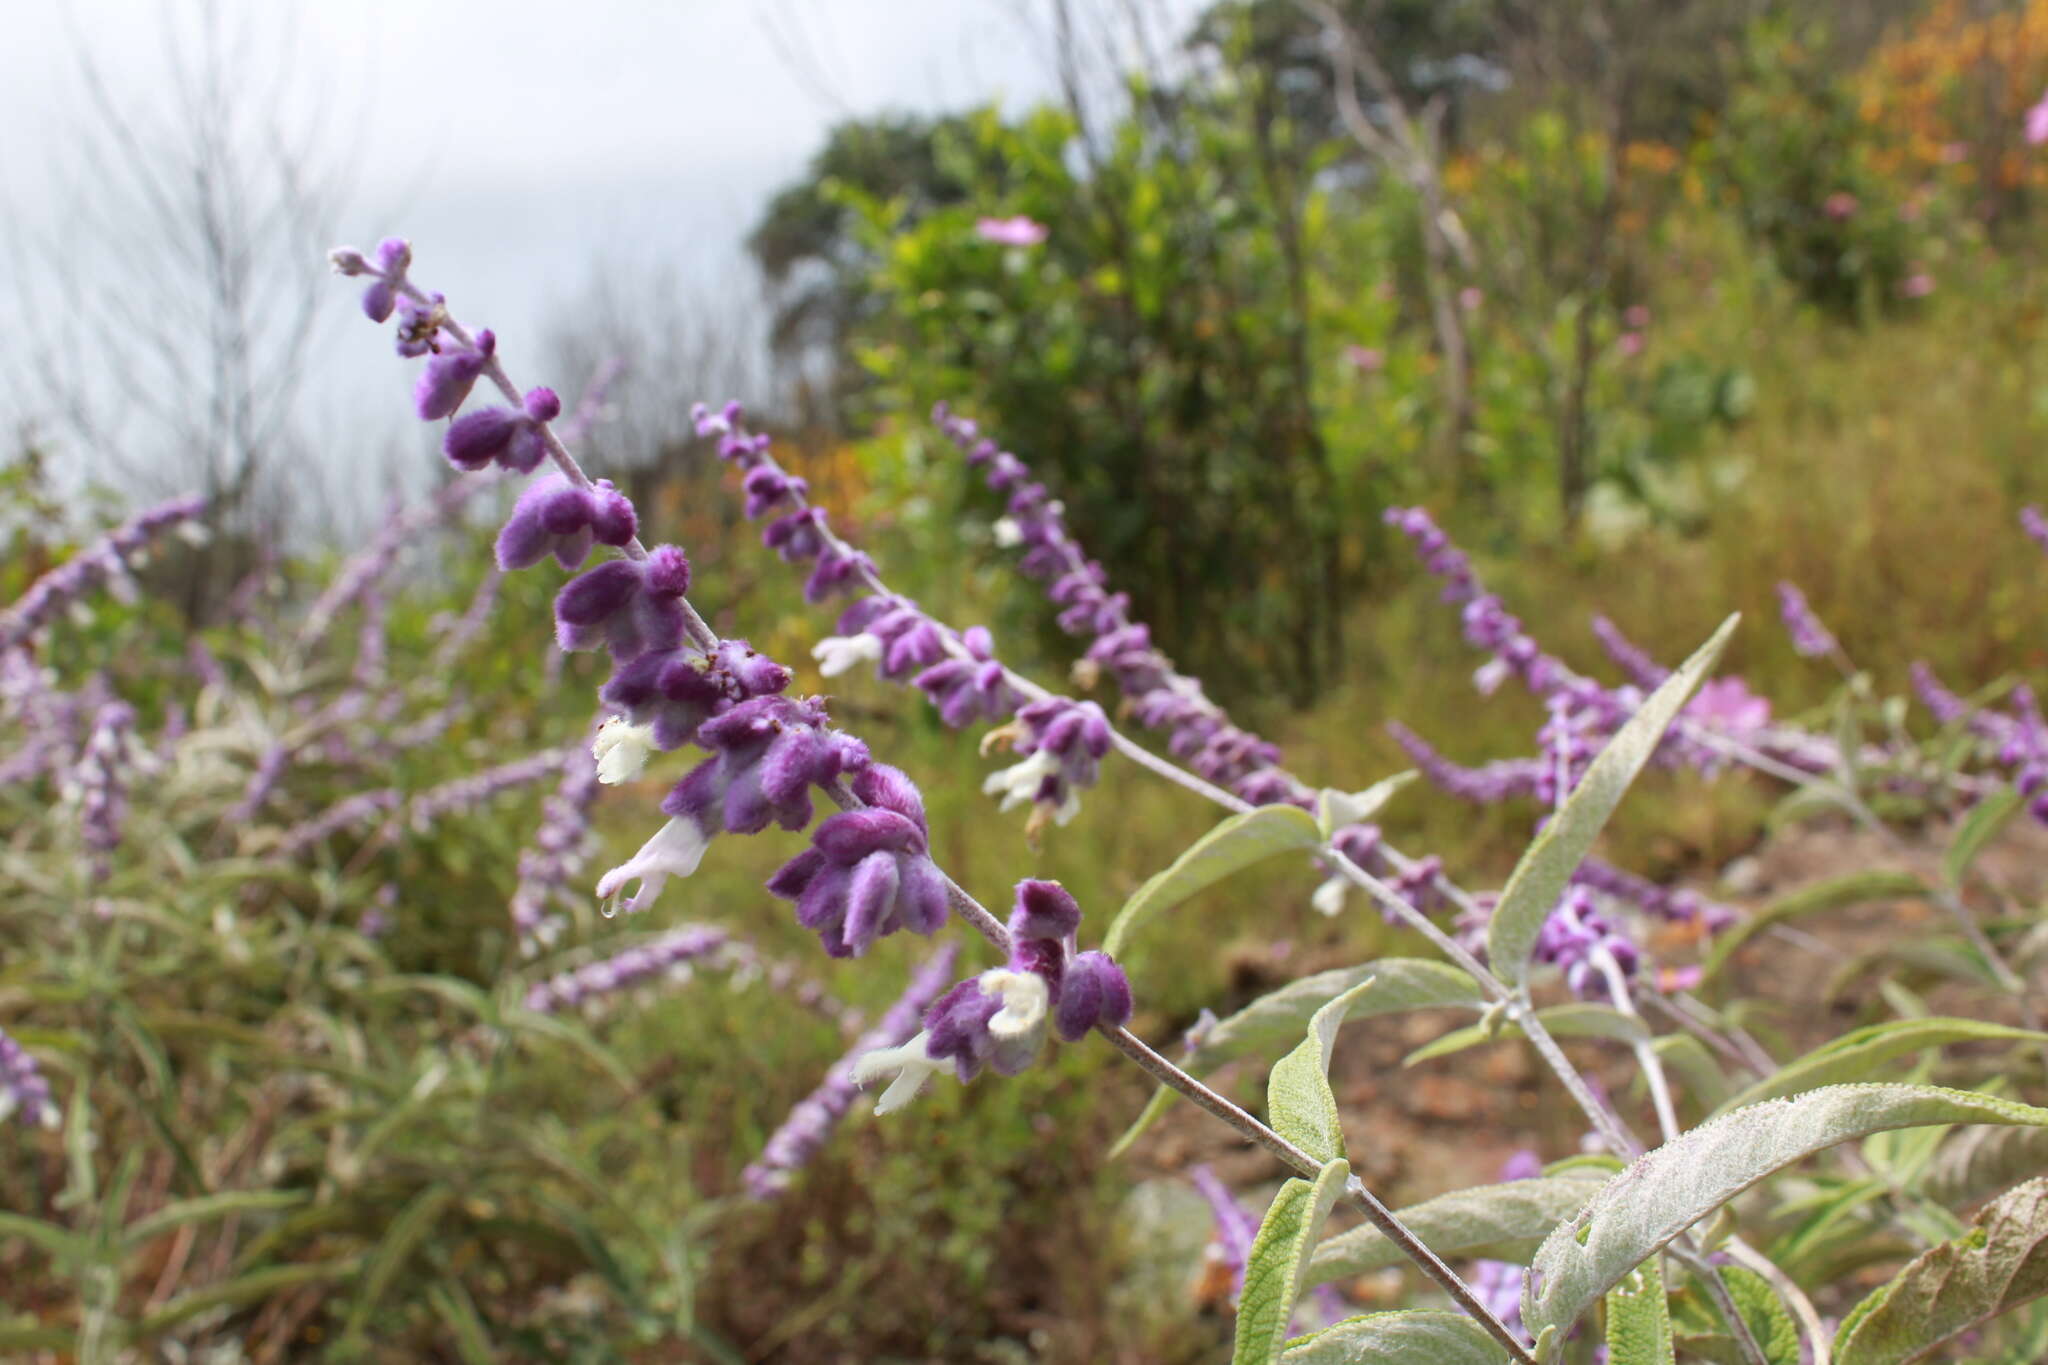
{"points": [[521, 142]]}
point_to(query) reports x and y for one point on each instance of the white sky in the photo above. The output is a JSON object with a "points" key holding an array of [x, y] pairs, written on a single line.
{"points": [[519, 143]]}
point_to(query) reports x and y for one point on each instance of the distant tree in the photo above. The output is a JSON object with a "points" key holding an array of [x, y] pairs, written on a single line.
{"points": [[814, 261]]}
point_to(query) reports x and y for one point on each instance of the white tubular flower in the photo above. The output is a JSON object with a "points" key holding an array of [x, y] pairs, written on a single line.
{"points": [[909, 1067], [1329, 895], [621, 750], [1008, 533], [1025, 1001], [674, 851], [837, 653], [1021, 782]]}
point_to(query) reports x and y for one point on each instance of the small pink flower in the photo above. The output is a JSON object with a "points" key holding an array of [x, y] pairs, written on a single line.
{"points": [[1917, 285], [1671, 980], [1841, 206], [1630, 344], [1368, 359], [1728, 704], [1636, 317], [1470, 297], [2037, 121], [1018, 231]]}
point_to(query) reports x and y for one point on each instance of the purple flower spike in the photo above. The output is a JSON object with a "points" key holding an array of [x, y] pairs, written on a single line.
{"points": [[1044, 910], [1094, 993], [555, 517], [768, 487], [1572, 938], [447, 379], [394, 255], [629, 606], [867, 873]]}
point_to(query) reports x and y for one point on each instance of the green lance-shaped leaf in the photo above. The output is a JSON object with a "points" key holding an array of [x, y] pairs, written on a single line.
{"points": [[1540, 878], [1398, 983], [1983, 824], [1851, 888], [1854, 1056], [1232, 846], [1408, 1337], [1504, 1222], [1666, 1191], [206, 1207], [1580, 1019], [1639, 1320], [1272, 1269], [1979, 1161], [2001, 1263], [1299, 1102]]}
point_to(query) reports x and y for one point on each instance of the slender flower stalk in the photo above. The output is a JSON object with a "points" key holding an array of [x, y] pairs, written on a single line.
{"points": [[814, 1118], [556, 854], [467, 793], [107, 562]]}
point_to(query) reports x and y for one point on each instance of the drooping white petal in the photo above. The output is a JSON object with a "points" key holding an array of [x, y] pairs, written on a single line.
{"points": [[910, 1066], [837, 653], [1008, 533], [1020, 782], [674, 851]]}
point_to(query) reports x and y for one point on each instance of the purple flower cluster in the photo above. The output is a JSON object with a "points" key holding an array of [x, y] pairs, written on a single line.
{"points": [[107, 562], [1062, 744], [1809, 636], [868, 872], [811, 1122], [999, 1018], [344, 814], [24, 1094], [2035, 525], [1575, 936]]}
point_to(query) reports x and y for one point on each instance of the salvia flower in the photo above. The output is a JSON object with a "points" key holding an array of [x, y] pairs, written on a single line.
{"points": [[1017, 231], [999, 1019], [449, 375], [665, 694], [419, 325], [628, 606], [1809, 636], [766, 755], [1063, 743], [392, 257], [24, 1094], [868, 872], [2035, 525], [1571, 939], [556, 517], [811, 1122], [503, 436], [467, 793], [970, 689]]}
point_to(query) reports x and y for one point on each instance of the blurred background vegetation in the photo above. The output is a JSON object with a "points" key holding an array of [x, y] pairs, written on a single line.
{"points": [[1653, 302]]}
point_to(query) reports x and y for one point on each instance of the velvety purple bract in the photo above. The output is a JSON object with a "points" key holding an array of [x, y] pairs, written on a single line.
{"points": [[628, 606], [448, 376], [1094, 993], [866, 875], [766, 756], [1044, 909]]}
